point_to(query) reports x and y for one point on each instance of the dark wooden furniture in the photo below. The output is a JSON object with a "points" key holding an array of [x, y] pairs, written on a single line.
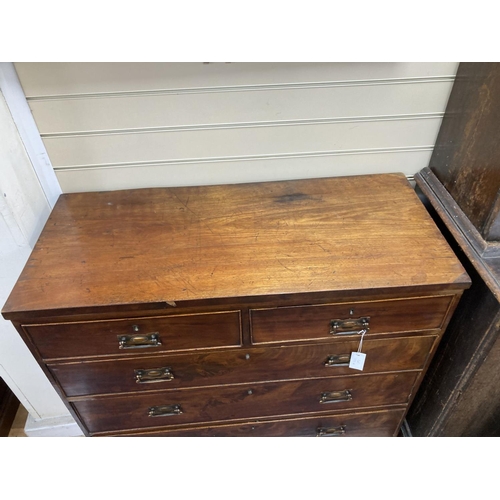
{"points": [[234, 310], [461, 393], [466, 155], [9, 405]]}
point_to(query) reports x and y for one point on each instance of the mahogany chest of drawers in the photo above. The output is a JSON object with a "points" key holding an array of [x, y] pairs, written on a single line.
{"points": [[233, 310]]}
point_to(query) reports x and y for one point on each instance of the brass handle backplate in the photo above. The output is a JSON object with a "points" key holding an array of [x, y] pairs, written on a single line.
{"points": [[335, 396], [139, 341], [338, 360], [330, 431], [153, 375], [350, 326], [164, 411]]}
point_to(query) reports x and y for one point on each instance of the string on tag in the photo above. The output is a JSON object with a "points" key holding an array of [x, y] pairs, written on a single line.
{"points": [[363, 332]]}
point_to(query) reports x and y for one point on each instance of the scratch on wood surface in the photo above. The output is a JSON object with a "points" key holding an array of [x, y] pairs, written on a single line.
{"points": [[283, 265], [315, 243], [198, 217]]}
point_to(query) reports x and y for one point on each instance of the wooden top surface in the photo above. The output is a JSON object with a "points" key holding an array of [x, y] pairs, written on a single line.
{"points": [[194, 243]]}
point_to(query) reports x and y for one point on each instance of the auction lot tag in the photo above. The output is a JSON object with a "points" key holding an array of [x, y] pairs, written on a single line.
{"points": [[357, 360]]}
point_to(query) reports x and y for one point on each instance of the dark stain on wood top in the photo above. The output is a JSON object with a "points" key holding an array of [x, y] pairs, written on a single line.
{"points": [[244, 240]]}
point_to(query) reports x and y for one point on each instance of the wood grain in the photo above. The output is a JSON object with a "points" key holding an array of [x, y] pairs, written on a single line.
{"points": [[98, 338], [85, 378], [211, 242], [465, 159], [243, 401], [372, 424], [288, 324], [201, 267], [9, 405], [460, 394]]}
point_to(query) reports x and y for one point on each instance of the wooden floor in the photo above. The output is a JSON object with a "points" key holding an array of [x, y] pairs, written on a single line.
{"points": [[17, 429]]}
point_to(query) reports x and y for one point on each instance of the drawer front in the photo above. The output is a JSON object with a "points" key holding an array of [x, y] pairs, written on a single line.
{"points": [[138, 335], [288, 324], [244, 401], [238, 366], [364, 424]]}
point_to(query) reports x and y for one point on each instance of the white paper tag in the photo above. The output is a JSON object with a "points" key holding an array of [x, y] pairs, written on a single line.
{"points": [[357, 360]]}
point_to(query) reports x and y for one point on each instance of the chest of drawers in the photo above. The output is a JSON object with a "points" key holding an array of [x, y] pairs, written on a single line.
{"points": [[233, 310]]}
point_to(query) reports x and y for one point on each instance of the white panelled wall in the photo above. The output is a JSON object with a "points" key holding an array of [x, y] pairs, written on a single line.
{"points": [[126, 125], [26, 199], [109, 126]]}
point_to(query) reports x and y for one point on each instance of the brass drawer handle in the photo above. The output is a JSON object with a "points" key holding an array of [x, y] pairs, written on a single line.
{"points": [[338, 360], [153, 375], [335, 396], [138, 341], [349, 326], [164, 411], [330, 431]]}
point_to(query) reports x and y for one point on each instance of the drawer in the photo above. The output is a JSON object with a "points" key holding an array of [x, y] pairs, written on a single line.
{"points": [[364, 424], [244, 401], [81, 378], [156, 334], [289, 324]]}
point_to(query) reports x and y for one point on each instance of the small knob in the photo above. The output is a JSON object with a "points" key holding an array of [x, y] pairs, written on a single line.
{"points": [[247, 356], [135, 328], [249, 391]]}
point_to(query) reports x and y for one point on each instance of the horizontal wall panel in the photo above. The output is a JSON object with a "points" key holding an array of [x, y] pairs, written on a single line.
{"points": [[240, 142], [42, 79], [125, 125], [103, 179], [96, 115]]}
